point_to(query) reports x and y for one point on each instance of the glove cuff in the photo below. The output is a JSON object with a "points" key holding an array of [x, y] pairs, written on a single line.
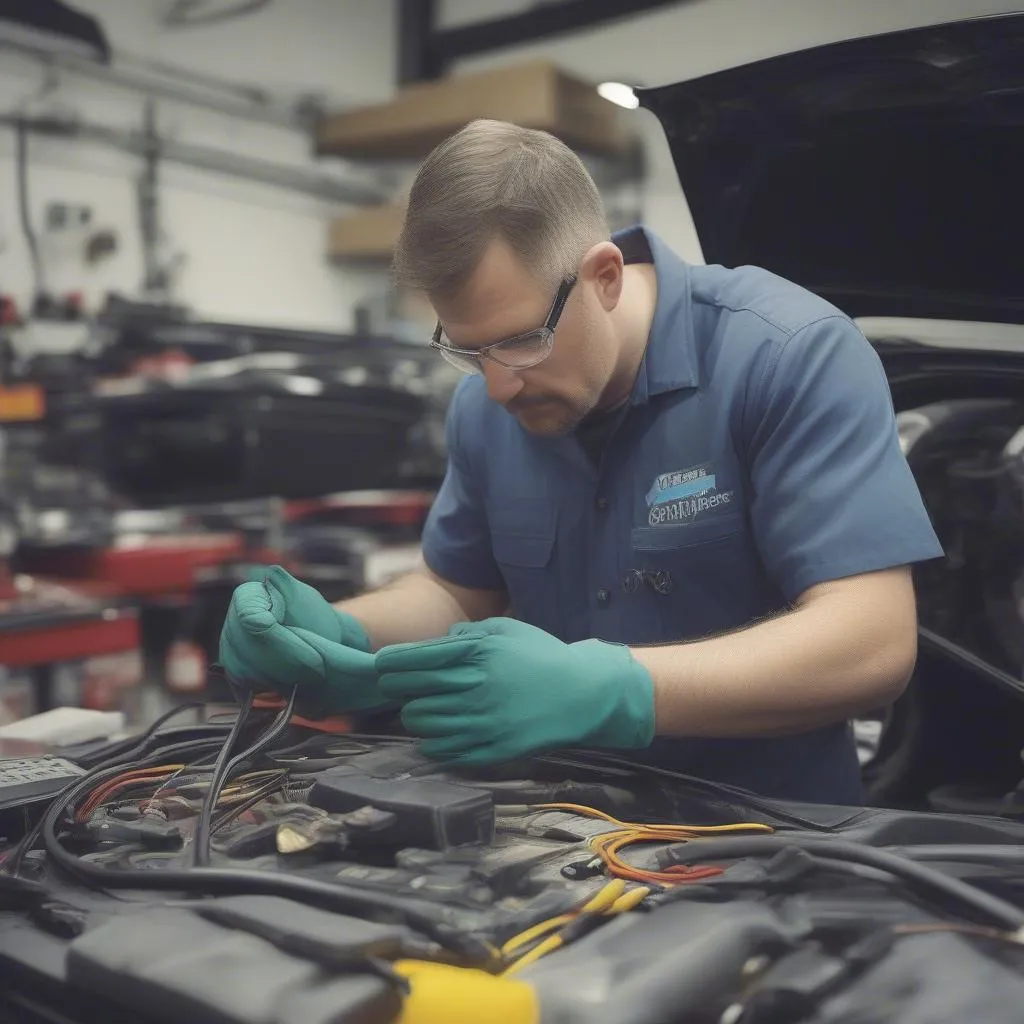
{"points": [[629, 721], [352, 632]]}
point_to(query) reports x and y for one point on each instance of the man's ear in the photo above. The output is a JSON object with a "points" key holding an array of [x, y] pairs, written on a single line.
{"points": [[602, 267]]}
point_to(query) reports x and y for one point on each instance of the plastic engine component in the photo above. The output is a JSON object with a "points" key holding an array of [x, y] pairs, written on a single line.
{"points": [[429, 813], [170, 964], [27, 780]]}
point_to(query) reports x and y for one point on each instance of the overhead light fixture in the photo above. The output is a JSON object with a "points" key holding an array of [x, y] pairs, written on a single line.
{"points": [[619, 93], [49, 26]]}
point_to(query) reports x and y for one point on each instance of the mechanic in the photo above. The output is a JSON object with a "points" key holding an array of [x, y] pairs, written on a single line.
{"points": [[676, 520]]}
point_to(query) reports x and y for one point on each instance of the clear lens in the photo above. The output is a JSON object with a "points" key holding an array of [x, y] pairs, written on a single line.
{"points": [[514, 354], [519, 353], [467, 364]]}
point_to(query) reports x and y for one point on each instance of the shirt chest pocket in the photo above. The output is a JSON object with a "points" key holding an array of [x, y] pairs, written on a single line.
{"points": [[524, 542], [689, 580]]}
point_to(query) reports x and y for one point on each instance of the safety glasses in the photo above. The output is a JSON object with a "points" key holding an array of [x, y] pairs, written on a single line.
{"points": [[519, 352]]}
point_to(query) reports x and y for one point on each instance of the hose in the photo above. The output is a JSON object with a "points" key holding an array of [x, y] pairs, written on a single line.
{"points": [[981, 904]]}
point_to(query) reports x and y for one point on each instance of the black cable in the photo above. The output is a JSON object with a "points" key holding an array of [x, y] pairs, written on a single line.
{"points": [[201, 839], [133, 746], [268, 789], [24, 207], [218, 881], [441, 924], [124, 754], [974, 853], [722, 790], [981, 904], [223, 770], [101, 773], [276, 730]]}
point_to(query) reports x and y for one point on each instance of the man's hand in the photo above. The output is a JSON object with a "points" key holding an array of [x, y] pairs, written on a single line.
{"points": [[500, 689], [281, 633]]}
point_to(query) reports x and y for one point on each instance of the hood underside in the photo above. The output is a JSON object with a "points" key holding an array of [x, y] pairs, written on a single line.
{"points": [[884, 173]]}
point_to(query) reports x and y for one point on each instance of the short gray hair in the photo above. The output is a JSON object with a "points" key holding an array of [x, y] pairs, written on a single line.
{"points": [[495, 180]]}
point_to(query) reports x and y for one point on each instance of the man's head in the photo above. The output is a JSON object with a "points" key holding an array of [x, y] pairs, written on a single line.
{"points": [[503, 224]]}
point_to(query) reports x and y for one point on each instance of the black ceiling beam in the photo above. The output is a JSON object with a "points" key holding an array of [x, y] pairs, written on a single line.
{"points": [[416, 59], [54, 25], [539, 22]]}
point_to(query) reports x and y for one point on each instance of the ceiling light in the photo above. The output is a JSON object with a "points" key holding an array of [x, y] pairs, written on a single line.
{"points": [[619, 93]]}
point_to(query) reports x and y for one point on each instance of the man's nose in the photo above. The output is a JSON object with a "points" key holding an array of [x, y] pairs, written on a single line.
{"points": [[502, 384]]}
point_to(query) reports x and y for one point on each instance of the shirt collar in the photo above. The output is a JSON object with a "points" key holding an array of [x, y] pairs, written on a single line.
{"points": [[670, 359]]}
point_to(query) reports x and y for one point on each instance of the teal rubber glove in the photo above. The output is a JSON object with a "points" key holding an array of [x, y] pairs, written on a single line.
{"points": [[500, 689], [280, 633]]}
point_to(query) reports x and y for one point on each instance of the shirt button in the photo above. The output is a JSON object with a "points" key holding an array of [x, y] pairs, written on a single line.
{"points": [[604, 596], [602, 503]]}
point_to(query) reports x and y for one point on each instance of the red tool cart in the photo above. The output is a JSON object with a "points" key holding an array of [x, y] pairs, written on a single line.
{"points": [[46, 625]]}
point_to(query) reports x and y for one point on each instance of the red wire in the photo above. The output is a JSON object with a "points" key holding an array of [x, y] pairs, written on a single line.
{"points": [[104, 792]]}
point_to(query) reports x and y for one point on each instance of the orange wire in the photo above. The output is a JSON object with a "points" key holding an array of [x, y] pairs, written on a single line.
{"points": [[103, 793], [607, 846], [111, 785], [160, 773]]}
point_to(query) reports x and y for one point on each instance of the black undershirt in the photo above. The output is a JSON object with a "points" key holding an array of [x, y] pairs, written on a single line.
{"points": [[596, 428]]}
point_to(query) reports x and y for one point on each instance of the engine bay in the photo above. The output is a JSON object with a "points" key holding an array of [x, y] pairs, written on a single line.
{"points": [[343, 877]]}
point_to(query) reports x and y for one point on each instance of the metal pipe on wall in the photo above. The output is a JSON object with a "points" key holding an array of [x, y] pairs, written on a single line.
{"points": [[358, 191], [177, 85]]}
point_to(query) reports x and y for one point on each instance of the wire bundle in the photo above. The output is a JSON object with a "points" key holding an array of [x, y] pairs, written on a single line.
{"points": [[538, 940], [608, 845], [224, 767], [137, 787], [107, 791]]}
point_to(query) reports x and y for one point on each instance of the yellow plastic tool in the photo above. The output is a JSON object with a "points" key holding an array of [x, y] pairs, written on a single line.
{"points": [[442, 994]]}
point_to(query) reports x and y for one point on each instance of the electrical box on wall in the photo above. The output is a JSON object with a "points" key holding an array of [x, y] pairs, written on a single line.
{"points": [[67, 216]]}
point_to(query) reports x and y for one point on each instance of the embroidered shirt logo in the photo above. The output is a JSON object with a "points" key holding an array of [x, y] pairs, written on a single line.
{"points": [[682, 496]]}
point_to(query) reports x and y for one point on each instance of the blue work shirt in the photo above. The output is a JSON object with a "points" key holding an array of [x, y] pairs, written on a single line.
{"points": [[758, 456]]}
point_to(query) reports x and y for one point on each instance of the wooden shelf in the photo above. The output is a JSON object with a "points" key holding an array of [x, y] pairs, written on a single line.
{"points": [[535, 95], [367, 235]]}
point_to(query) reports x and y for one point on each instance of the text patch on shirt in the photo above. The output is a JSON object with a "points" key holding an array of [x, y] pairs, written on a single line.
{"points": [[685, 495]]}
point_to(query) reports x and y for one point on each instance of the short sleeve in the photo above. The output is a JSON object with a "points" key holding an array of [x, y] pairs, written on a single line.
{"points": [[456, 539], [833, 495]]}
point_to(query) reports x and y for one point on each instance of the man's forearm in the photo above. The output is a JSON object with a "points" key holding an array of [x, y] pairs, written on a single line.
{"points": [[417, 606], [829, 659]]}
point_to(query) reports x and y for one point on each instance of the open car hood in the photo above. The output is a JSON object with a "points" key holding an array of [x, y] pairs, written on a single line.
{"points": [[883, 173]]}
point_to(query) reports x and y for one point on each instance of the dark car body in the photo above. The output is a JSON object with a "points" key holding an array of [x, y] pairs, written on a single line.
{"points": [[884, 173]]}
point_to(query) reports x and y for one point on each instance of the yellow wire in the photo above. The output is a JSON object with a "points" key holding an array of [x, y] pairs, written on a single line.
{"points": [[606, 846], [674, 829], [630, 900], [535, 932], [622, 904], [604, 899], [547, 946]]}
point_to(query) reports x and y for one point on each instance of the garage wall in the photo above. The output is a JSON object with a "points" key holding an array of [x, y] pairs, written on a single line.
{"points": [[249, 252], [696, 37], [254, 253]]}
